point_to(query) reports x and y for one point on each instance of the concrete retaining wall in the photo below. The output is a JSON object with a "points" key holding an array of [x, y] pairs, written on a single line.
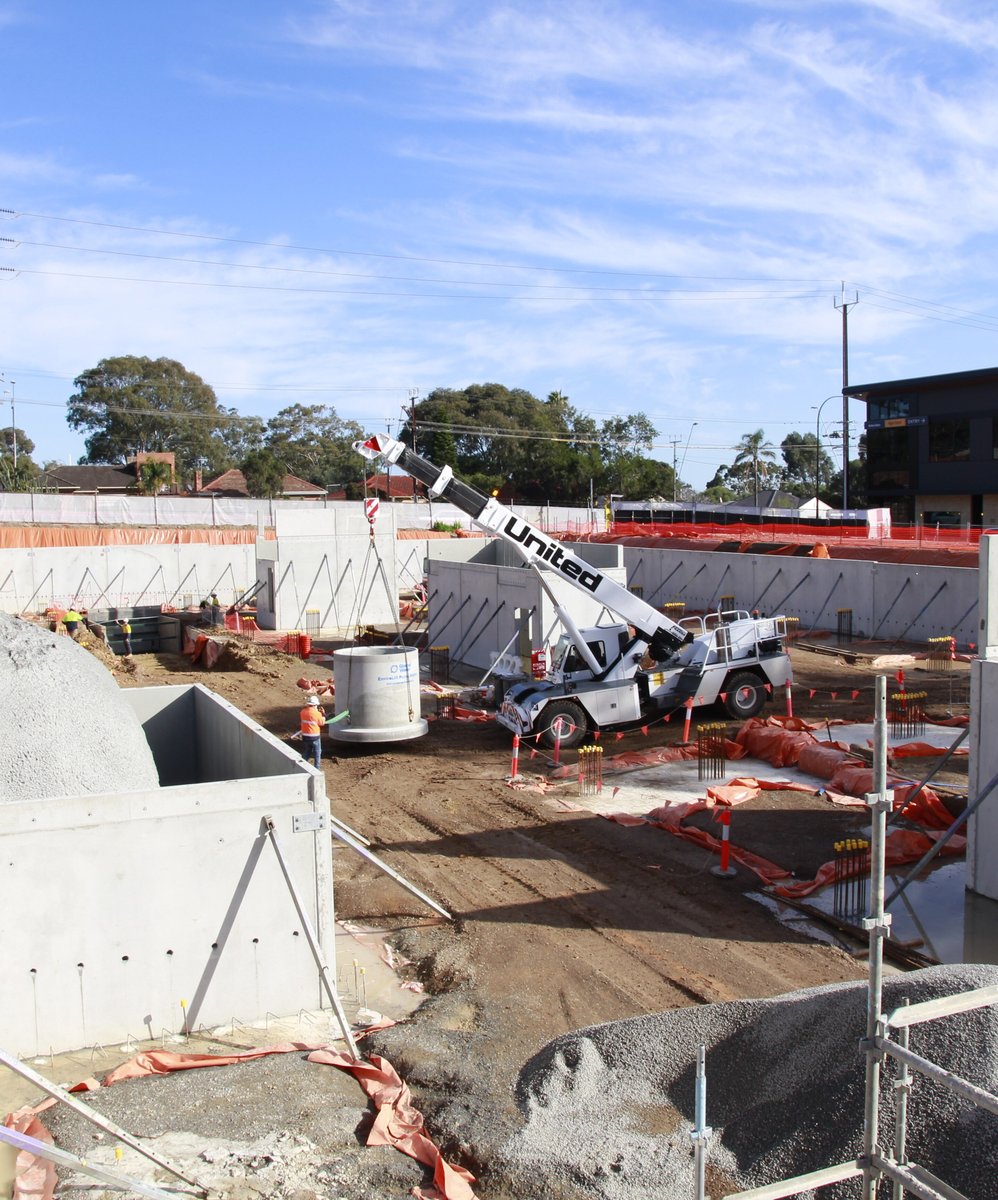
{"points": [[888, 600], [475, 595], [328, 565], [982, 828], [118, 908], [122, 576], [324, 559]]}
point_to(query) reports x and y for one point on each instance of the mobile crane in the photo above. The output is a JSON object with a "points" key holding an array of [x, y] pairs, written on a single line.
{"points": [[620, 674]]}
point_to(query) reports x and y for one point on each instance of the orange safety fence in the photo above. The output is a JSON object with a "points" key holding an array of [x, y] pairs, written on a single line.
{"points": [[32, 537], [398, 1122], [808, 529]]}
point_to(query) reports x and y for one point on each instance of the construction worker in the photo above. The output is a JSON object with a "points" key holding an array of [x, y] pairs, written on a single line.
{"points": [[125, 628], [312, 720], [71, 619], [216, 610]]}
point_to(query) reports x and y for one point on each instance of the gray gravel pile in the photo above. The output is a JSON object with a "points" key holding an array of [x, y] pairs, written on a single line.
{"points": [[66, 729], [609, 1109], [274, 1128]]}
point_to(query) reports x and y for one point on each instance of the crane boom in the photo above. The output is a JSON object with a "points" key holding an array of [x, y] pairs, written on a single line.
{"points": [[663, 636]]}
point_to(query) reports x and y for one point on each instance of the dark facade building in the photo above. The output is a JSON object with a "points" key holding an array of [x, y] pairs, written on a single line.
{"points": [[932, 448]]}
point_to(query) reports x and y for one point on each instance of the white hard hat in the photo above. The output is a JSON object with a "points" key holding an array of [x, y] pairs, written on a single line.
{"points": [[313, 700]]}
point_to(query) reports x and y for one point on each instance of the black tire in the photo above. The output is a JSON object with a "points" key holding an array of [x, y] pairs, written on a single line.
{"points": [[574, 726], [745, 695]]}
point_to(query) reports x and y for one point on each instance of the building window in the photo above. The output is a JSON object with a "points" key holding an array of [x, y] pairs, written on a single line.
{"points": [[887, 408], [887, 458], [949, 440]]}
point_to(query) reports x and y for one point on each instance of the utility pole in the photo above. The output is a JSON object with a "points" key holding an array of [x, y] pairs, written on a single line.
{"points": [[13, 420], [675, 459], [845, 306], [413, 395]]}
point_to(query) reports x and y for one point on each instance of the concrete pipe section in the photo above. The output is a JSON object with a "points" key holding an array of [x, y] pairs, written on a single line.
{"points": [[379, 686]]}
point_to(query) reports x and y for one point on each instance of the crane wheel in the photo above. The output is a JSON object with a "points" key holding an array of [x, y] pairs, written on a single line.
{"points": [[745, 695], [573, 729]]}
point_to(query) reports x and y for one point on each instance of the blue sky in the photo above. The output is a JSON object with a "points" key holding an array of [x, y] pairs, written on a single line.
{"points": [[647, 206]]}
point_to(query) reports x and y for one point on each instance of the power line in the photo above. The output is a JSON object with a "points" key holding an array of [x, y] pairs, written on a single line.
{"points": [[451, 262], [237, 266], [260, 287], [930, 310]]}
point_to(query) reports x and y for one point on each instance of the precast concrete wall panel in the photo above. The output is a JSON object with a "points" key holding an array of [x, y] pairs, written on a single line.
{"points": [[122, 576], [982, 827], [888, 601], [338, 574], [473, 604], [126, 914], [346, 580]]}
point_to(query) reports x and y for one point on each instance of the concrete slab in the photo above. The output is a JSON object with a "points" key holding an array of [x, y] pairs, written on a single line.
{"points": [[638, 790]]}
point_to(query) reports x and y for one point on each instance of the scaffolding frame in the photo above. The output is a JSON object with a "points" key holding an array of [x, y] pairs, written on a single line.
{"points": [[876, 1162]]}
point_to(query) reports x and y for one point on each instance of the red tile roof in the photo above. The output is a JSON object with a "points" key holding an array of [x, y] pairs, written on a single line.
{"points": [[233, 483], [394, 487]]}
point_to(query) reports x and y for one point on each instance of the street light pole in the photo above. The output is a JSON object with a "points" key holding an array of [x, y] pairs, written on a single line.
{"points": [[817, 451], [685, 449], [13, 424]]}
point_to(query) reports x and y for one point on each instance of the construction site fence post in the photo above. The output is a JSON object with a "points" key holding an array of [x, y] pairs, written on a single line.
{"points": [[725, 869]]}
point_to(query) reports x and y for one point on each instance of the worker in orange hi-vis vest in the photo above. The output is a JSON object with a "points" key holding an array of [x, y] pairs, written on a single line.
{"points": [[312, 720]]}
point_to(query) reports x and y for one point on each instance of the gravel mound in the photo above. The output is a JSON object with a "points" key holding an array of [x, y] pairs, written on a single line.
{"points": [[609, 1109], [66, 729]]}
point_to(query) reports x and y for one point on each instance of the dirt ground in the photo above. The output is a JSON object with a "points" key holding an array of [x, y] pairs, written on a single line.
{"points": [[561, 919]]}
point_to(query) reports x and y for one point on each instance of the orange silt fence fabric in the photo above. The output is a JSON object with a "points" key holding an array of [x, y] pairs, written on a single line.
{"points": [[400, 1124], [823, 759], [902, 846]]}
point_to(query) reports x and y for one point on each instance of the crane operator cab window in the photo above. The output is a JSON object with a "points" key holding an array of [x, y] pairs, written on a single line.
{"points": [[568, 660]]}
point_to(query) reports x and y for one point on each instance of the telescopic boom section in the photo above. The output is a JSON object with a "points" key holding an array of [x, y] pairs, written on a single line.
{"points": [[663, 636]]}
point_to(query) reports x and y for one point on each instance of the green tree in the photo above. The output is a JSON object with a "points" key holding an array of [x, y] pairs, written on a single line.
{"points": [[544, 450], [19, 477], [806, 465], [626, 470], [130, 404], [857, 481], [154, 476], [264, 474], [756, 458], [443, 449], [314, 443]]}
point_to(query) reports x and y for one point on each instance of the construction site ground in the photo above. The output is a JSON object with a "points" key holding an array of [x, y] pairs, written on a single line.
{"points": [[562, 919]]}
